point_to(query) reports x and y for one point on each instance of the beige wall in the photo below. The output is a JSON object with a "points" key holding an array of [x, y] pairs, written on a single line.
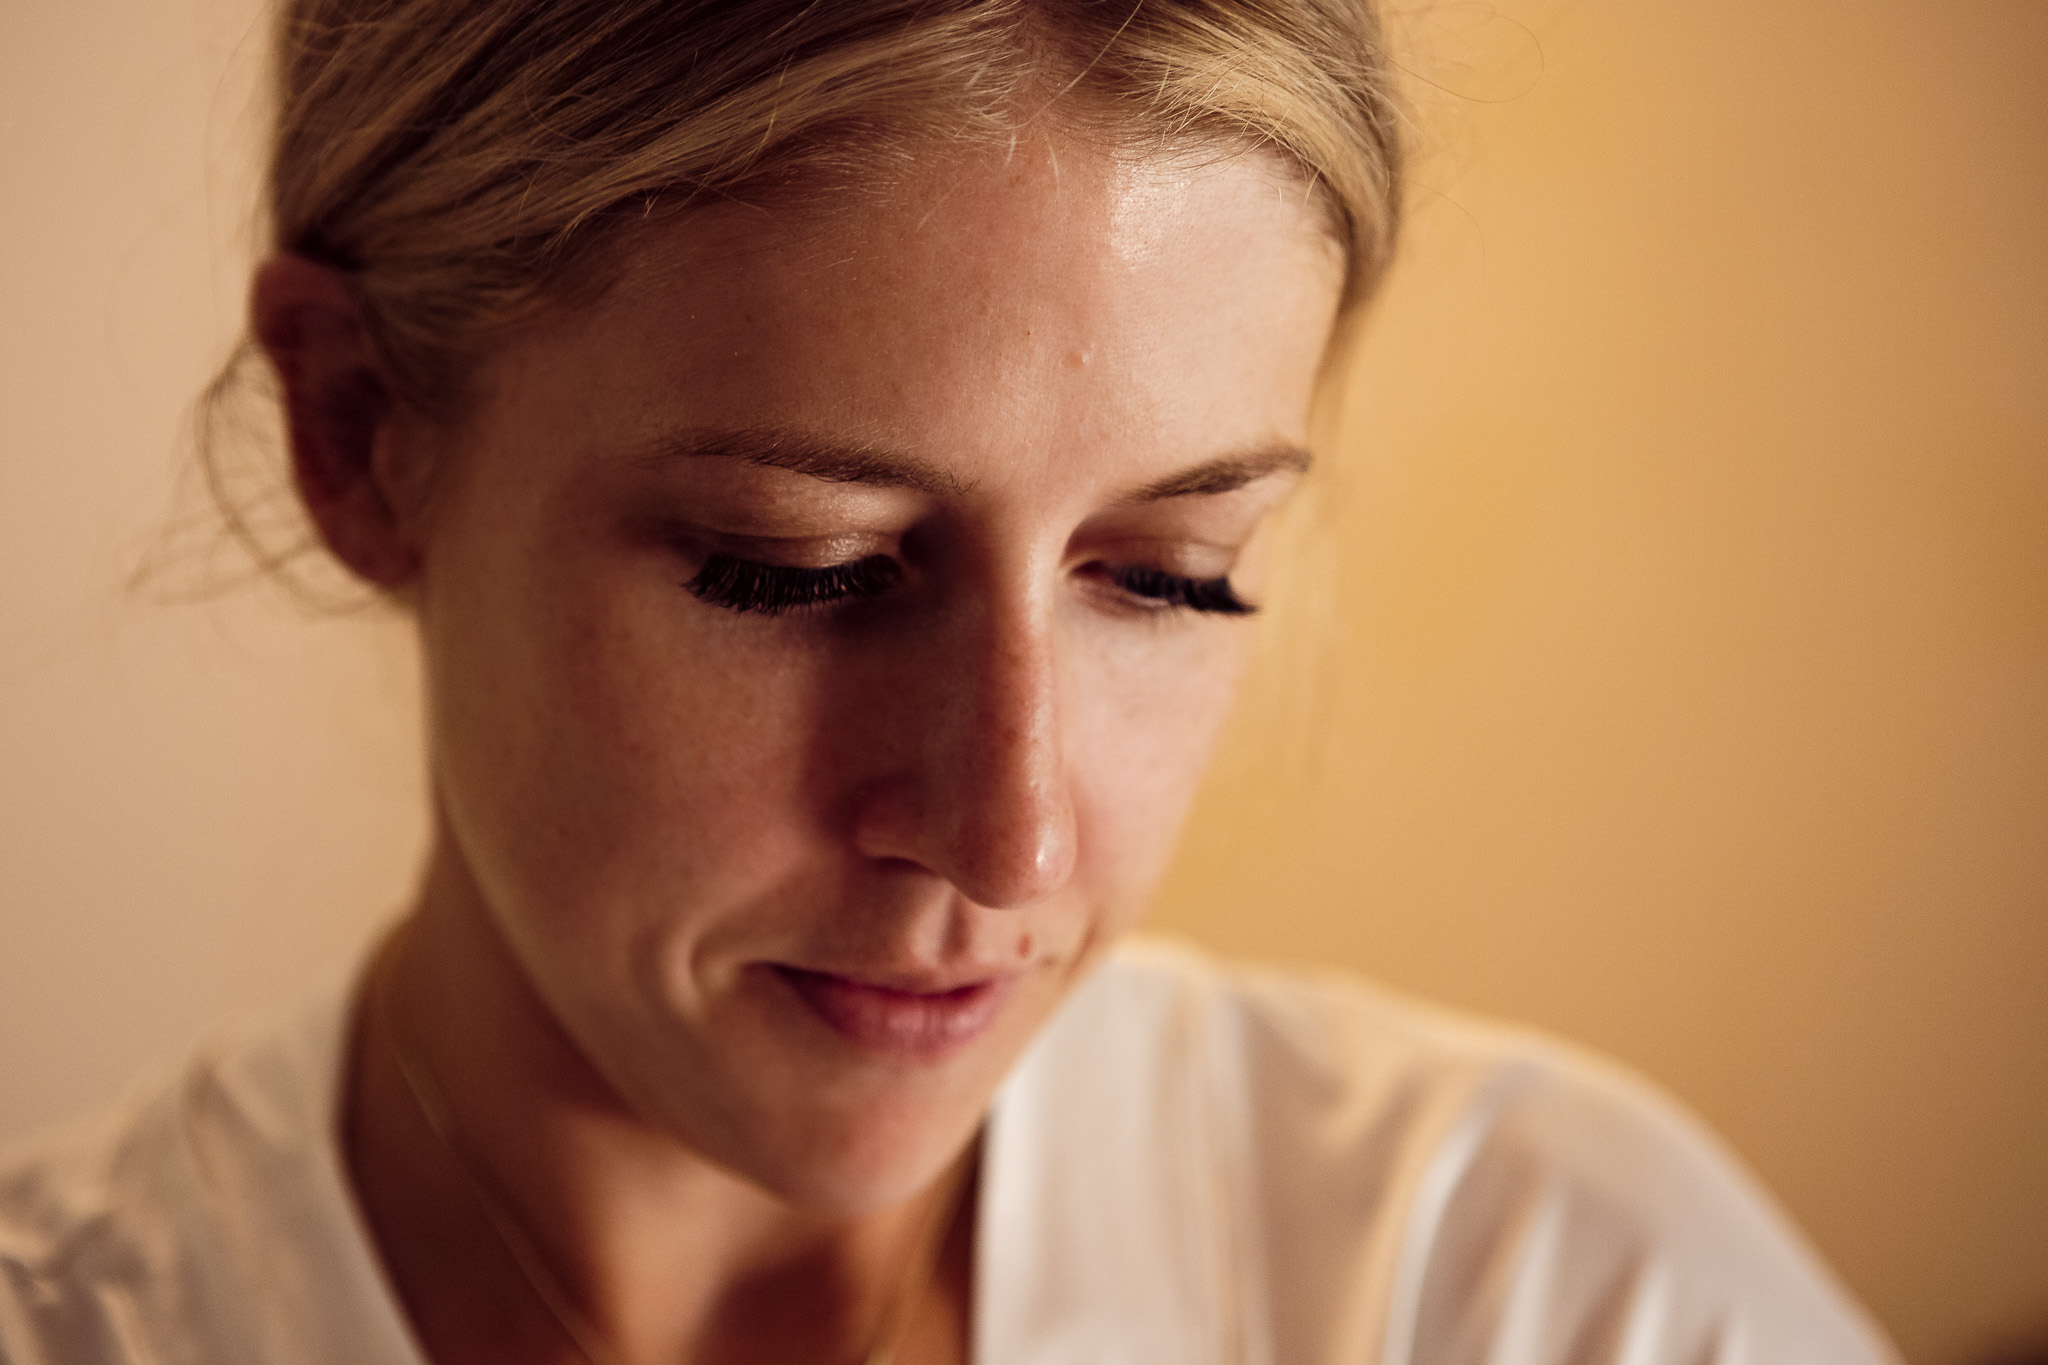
{"points": [[1689, 693], [201, 808]]}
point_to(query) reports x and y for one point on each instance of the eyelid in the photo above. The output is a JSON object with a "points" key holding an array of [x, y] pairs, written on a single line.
{"points": [[794, 552], [1179, 556], [697, 539], [1223, 522]]}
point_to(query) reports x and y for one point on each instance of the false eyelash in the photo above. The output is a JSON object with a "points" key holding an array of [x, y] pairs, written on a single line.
{"points": [[771, 589], [744, 585], [1174, 590]]}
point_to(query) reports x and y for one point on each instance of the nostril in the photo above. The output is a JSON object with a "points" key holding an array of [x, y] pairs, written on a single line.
{"points": [[889, 822]]}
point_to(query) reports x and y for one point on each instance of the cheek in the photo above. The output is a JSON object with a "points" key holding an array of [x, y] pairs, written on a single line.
{"points": [[607, 755], [1142, 729]]}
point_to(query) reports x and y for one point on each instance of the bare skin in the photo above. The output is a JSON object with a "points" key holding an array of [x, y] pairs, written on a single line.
{"points": [[736, 918], [469, 1302]]}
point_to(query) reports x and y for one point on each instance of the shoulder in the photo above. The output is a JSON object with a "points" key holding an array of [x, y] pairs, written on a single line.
{"points": [[204, 1218], [1442, 1182], [85, 1213]]}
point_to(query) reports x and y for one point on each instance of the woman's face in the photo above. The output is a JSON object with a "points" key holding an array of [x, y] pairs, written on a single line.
{"points": [[827, 629]]}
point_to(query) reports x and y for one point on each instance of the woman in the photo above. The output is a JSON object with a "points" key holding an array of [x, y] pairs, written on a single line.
{"points": [[828, 451]]}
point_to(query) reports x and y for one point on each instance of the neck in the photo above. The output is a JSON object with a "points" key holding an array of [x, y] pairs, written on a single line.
{"points": [[665, 1255]]}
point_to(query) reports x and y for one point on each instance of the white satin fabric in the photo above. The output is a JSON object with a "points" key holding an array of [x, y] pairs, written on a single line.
{"points": [[1194, 1165]]}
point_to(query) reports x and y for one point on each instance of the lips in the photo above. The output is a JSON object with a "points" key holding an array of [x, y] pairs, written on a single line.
{"points": [[895, 1021]]}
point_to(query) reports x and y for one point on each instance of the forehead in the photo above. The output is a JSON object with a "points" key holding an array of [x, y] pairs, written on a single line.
{"points": [[1053, 293], [1060, 202]]}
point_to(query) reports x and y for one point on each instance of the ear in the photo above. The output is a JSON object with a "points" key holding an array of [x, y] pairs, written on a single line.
{"points": [[346, 442]]}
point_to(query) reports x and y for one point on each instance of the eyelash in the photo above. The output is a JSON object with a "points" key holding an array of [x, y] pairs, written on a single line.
{"points": [[743, 585], [1175, 590], [771, 589]]}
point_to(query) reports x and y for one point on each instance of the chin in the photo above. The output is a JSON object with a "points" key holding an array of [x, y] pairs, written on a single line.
{"points": [[842, 1089], [845, 1165], [857, 1135]]}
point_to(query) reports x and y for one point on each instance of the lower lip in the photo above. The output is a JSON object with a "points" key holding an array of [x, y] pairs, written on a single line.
{"points": [[899, 1023]]}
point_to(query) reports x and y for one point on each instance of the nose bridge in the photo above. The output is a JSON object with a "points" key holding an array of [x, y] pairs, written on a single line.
{"points": [[996, 774]]}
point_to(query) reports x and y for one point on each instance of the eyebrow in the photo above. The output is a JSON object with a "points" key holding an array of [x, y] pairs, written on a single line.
{"points": [[1224, 475], [838, 461], [833, 461]]}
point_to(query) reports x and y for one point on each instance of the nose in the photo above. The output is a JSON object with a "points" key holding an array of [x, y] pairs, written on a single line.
{"points": [[986, 800]]}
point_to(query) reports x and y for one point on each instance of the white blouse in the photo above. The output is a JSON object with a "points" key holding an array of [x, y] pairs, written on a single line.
{"points": [[1194, 1165]]}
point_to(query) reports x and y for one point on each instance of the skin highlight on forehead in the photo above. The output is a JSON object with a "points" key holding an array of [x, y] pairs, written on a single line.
{"points": [[1131, 189]]}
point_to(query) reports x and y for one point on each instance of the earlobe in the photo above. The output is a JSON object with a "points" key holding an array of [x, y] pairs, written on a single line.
{"points": [[340, 416]]}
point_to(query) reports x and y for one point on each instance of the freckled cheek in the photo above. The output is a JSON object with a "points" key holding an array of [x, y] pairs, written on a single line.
{"points": [[673, 767]]}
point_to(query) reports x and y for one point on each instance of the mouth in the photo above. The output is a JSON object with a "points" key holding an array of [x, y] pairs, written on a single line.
{"points": [[899, 1019]]}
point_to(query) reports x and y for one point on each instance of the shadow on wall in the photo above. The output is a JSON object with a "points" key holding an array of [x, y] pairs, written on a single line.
{"points": [[2031, 1351]]}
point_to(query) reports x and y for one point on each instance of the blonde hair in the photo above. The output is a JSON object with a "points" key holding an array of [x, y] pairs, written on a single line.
{"points": [[466, 162]]}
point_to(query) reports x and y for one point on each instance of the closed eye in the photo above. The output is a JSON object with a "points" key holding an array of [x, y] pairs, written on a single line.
{"points": [[1176, 590], [745, 585]]}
